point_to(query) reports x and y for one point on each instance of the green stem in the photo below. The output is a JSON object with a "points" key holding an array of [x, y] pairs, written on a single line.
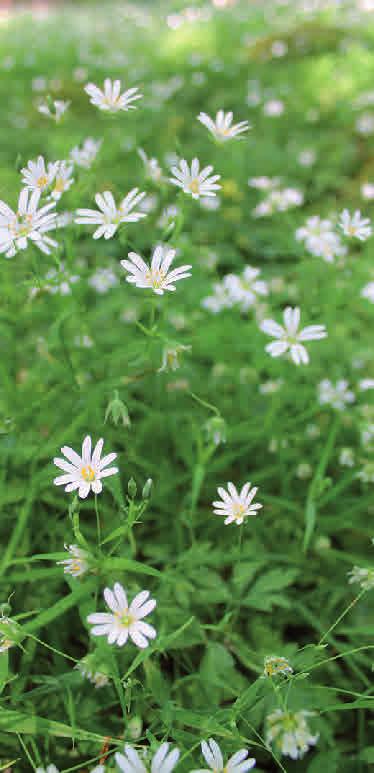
{"points": [[343, 614]]}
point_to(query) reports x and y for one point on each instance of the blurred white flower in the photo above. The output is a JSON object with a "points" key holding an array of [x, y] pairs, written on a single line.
{"points": [[110, 99], [279, 201], [85, 156], [365, 384], [290, 338], [367, 191], [235, 505], [84, 472], [29, 222], [346, 457], [337, 395], [124, 620], [156, 275], [368, 292], [279, 48], [365, 124], [103, 279], [222, 127], [245, 289], [163, 761], [111, 216], [355, 225], [170, 357], [36, 176], [55, 110], [77, 563], [221, 298], [364, 577], [193, 181], [264, 183], [273, 107], [58, 281], [237, 763], [63, 180], [151, 165], [307, 157], [289, 734]]}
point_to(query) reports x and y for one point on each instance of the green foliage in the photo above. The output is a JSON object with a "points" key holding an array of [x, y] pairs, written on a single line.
{"points": [[184, 423]]}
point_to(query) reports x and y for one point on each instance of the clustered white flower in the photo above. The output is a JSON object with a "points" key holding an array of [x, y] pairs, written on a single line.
{"points": [[337, 395], [222, 128], [237, 290], [279, 200], [110, 98], [124, 620], [84, 473], [289, 339], [236, 506], [155, 276], [289, 733]]}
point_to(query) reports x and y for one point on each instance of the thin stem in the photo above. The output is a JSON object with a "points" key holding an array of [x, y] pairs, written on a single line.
{"points": [[343, 614], [98, 526]]}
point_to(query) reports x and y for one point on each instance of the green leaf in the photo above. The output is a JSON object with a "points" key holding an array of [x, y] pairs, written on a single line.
{"points": [[17, 722], [128, 565]]}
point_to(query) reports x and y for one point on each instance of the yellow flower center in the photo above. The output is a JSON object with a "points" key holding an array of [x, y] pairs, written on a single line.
{"points": [[42, 181], [59, 185], [194, 185], [156, 278], [124, 618], [238, 510], [88, 473]]}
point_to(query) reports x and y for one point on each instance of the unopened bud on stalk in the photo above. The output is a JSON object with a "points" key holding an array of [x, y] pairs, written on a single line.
{"points": [[132, 488], [147, 489]]}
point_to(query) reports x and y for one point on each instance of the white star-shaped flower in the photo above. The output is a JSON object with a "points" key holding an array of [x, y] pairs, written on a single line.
{"points": [[290, 338], [124, 621], [84, 472], [111, 216], [156, 276], [85, 156], [193, 181], [29, 222], [237, 763], [355, 225], [37, 176], [163, 761], [77, 564], [236, 506], [110, 98], [222, 127]]}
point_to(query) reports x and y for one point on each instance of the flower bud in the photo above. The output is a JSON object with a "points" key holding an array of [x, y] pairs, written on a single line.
{"points": [[147, 489], [117, 411], [132, 488]]}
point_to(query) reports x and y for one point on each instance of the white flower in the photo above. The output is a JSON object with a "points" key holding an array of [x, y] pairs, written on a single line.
{"points": [[110, 217], [289, 338], [337, 395], [346, 457], [246, 288], [36, 176], [307, 157], [355, 225], [368, 292], [193, 181], [85, 156], [16, 228], [57, 110], [163, 761], [274, 665], [367, 191], [151, 165], [156, 275], [314, 228], [103, 279], [126, 620], [48, 769], [279, 201], [365, 124], [63, 180], [84, 472], [289, 733], [170, 357], [273, 107], [366, 383], [364, 577], [111, 99], [57, 282], [237, 763], [221, 298], [264, 183], [77, 564], [236, 506], [222, 127], [97, 678]]}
